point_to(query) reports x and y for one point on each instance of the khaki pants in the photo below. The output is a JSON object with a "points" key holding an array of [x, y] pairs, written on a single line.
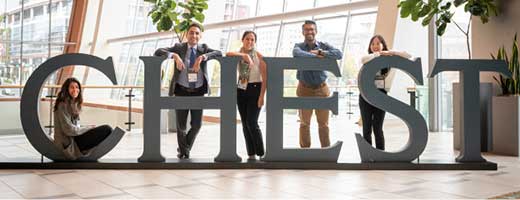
{"points": [[322, 116]]}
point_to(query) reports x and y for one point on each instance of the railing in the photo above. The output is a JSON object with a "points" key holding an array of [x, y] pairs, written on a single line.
{"points": [[347, 93], [52, 96]]}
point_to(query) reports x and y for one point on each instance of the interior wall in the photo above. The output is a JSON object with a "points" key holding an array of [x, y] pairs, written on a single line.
{"points": [[488, 38]]}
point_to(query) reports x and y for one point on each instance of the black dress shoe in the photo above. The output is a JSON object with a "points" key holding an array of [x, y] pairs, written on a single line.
{"points": [[185, 155], [180, 155]]}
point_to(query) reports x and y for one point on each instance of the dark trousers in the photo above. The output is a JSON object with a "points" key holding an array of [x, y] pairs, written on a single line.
{"points": [[185, 141], [247, 101], [92, 137], [372, 120]]}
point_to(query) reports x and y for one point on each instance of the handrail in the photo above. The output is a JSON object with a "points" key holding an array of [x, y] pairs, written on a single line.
{"points": [[85, 86], [137, 86]]}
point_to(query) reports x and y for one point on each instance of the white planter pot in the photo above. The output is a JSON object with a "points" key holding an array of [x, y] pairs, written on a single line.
{"points": [[506, 125]]}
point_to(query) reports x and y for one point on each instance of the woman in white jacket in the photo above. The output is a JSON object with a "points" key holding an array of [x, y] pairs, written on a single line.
{"points": [[371, 116]]}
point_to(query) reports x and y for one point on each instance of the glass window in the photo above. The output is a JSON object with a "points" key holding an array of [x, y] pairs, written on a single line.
{"points": [[451, 45], [361, 29], [295, 5], [332, 31], [54, 7], [27, 14], [16, 17], [269, 7], [235, 38], [291, 34], [324, 3], [23, 49], [267, 39], [245, 9], [38, 11]]}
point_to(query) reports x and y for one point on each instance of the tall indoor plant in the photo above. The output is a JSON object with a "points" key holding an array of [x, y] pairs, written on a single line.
{"points": [[419, 9], [506, 113], [509, 85], [176, 16]]}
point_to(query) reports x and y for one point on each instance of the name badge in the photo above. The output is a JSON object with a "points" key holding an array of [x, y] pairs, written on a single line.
{"points": [[380, 82], [192, 77], [242, 83]]}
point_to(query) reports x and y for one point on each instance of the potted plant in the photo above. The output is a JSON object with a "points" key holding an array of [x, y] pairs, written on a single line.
{"points": [[506, 106], [418, 9], [170, 15]]}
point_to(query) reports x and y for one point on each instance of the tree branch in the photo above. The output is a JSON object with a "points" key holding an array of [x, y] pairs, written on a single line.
{"points": [[467, 36], [461, 30]]}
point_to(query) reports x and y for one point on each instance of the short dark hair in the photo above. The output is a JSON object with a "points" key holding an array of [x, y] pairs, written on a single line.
{"points": [[194, 24], [310, 22]]}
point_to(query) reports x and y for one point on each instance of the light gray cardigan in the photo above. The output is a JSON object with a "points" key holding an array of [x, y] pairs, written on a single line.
{"points": [[65, 128]]}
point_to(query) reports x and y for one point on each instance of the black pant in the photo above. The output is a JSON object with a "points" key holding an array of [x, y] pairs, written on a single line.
{"points": [[247, 101], [92, 137], [372, 119], [185, 141]]}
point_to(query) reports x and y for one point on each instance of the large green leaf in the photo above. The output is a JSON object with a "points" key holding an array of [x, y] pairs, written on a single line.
{"points": [[165, 23], [151, 1], [167, 16], [155, 17], [199, 17], [441, 29], [510, 85]]}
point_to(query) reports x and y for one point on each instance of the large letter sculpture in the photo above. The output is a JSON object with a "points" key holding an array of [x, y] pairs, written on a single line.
{"points": [[154, 102], [417, 128], [276, 103], [469, 79], [29, 105]]}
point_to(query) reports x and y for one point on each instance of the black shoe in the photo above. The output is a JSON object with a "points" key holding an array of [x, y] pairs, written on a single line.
{"points": [[181, 155]]}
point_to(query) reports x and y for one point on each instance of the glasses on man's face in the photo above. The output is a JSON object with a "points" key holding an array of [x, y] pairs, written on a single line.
{"points": [[309, 30]]}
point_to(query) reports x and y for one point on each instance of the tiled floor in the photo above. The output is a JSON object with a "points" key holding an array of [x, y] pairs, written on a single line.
{"points": [[265, 184]]}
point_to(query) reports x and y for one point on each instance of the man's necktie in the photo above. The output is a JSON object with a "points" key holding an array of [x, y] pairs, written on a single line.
{"points": [[192, 61]]}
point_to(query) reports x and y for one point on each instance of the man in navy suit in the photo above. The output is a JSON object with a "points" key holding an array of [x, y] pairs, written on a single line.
{"points": [[190, 78]]}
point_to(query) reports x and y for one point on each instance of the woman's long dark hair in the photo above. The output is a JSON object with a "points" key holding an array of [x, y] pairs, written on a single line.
{"points": [[385, 48], [64, 97], [247, 33]]}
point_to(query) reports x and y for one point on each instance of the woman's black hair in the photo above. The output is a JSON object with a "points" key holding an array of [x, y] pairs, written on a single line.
{"points": [[385, 48], [247, 33], [64, 97]]}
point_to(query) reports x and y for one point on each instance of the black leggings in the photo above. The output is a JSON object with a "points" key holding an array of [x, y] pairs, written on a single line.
{"points": [[372, 118], [92, 137], [247, 101]]}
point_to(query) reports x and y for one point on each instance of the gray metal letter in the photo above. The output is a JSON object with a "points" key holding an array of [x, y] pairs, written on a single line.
{"points": [[469, 79], [154, 102], [276, 103], [29, 111], [418, 131]]}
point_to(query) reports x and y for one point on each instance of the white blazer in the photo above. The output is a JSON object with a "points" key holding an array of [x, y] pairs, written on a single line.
{"points": [[391, 73]]}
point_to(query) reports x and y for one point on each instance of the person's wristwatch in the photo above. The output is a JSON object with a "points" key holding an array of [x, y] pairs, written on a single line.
{"points": [[320, 52]]}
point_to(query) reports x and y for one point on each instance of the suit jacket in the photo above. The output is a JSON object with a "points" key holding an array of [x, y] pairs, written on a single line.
{"points": [[180, 49]]}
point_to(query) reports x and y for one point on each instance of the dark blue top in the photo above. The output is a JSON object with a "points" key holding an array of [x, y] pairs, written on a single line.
{"points": [[314, 77]]}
